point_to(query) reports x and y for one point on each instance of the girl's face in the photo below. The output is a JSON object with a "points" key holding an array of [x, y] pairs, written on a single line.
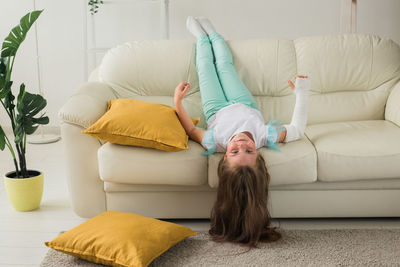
{"points": [[241, 150]]}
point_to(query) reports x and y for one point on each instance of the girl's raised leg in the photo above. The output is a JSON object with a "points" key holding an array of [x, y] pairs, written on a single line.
{"points": [[234, 89], [212, 95]]}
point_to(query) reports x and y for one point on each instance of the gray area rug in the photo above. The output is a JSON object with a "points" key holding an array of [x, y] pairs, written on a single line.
{"points": [[344, 247]]}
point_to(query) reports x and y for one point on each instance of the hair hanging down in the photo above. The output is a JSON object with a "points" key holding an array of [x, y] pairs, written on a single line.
{"points": [[240, 214]]}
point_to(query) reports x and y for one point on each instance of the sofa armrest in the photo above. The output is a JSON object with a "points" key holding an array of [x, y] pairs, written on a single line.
{"points": [[87, 105], [86, 189], [392, 111]]}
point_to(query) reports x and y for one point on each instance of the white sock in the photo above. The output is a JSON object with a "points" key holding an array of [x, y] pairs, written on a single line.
{"points": [[206, 24], [194, 27], [295, 130]]}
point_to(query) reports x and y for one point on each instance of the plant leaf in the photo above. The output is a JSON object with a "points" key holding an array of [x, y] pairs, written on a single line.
{"points": [[18, 34], [3, 77], [21, 92], [9, 99], [42, 120], [28, 106], [31, 104], [2, 139]]}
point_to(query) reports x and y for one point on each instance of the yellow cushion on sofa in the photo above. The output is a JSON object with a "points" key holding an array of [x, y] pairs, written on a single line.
{"points": [[120, 239], [139, 123]]}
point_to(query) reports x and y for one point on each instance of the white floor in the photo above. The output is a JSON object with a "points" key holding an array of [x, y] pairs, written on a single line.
{"points": [[22, 234]]}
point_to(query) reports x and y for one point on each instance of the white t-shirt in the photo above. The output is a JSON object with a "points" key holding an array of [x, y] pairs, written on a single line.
{"points": [[234, 119]]}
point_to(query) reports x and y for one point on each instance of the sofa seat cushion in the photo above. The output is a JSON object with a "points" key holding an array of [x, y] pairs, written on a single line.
{"points": [[296, 163], [356, 150], [137, 165]]}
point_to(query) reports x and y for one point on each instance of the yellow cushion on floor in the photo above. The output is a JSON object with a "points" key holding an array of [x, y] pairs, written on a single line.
{"points": [[120, 239], [140, 123]]}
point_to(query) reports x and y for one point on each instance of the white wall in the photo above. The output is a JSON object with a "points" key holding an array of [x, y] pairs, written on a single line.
{"points": [[61, 31], [238, 19], [379, 17]]}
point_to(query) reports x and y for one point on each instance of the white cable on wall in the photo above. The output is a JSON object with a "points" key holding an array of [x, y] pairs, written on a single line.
{"points": [[40, 138], [164, 18], [348, 19]]}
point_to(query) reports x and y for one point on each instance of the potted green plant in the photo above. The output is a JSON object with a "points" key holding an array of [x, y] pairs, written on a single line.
{"points": [[24, 187]]}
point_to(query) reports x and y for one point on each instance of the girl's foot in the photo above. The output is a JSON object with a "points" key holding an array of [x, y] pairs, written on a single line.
{"points": [[194, 27], [206, 24]]}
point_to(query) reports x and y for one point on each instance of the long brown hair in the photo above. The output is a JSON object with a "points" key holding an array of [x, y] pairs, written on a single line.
{"points": [[240, 213]]}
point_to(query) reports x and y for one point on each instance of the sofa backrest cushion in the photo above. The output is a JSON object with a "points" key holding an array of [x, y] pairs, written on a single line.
{"points": [[355, 62], [148, 67], [352, 75]]}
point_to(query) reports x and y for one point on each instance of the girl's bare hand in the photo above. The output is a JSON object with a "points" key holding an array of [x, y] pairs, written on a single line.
{"points": [[180, 91], [297, 76]]}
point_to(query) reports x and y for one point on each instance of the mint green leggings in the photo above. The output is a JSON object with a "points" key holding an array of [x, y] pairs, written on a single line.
{"points": [[220, 85]]}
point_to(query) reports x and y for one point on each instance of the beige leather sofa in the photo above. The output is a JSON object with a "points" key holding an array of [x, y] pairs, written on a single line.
{"points": [[347, 165]]}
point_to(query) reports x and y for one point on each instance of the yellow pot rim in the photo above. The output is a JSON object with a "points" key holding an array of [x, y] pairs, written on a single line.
{"points": [[20, 178]]}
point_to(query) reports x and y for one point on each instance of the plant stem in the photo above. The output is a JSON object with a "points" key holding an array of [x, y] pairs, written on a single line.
{"points": [[16, 168], [23, 161], [8, 77], [20, 158], [23, 145], [8, 144]]}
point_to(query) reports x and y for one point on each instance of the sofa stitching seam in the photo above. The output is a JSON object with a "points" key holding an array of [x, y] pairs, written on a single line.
{"points": [[277, 65], [372, 61]]}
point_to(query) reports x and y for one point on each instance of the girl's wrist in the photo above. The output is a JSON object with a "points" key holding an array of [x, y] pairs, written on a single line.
{"points": [[178, 104]]}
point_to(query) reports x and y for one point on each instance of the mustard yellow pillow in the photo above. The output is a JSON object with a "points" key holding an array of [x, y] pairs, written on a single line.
{"points": [[120, 239], [139, 123]]}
